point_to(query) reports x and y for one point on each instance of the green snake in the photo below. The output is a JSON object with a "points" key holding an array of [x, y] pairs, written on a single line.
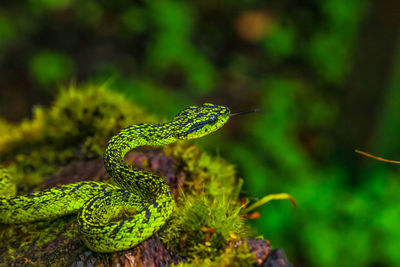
{"points": [[143, 198]]}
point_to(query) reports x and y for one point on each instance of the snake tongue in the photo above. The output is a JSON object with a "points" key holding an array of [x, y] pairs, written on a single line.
{"points": [[245, 112]]}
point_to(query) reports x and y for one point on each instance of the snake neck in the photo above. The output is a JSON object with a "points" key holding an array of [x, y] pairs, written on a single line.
{"points": [[141, 182]]}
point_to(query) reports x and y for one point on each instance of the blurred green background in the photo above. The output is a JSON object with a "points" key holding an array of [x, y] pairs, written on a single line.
{"points": [[326, 74]]}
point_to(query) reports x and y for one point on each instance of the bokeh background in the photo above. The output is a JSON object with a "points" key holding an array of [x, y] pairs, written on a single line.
{"points": [[326, 73]]}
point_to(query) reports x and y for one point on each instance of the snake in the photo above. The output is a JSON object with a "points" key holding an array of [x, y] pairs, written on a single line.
{"points": [[119, 216]]}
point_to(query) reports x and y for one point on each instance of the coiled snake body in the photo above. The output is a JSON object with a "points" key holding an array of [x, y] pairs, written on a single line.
{"points": [[114, 218]]}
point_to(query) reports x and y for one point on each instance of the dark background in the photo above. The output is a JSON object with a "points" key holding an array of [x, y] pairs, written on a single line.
{"points": [[326, 74]]}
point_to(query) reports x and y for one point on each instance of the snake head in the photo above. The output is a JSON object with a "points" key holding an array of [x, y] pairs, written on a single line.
{"points": [[197, 121]]}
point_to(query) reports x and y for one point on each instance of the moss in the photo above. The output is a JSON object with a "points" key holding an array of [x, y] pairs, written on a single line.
{"points": [[76, 126], [213, 175], [34, 242], [232, 256], [202, 219], [207, 213], [205, 224]]}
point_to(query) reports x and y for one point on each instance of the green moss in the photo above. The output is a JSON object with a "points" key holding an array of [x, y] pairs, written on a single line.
{"points": [[87, 115], [205, 224], [203, 220], [235, 256], [76, 126], [34, 242], [207, 213], [206, 173]]}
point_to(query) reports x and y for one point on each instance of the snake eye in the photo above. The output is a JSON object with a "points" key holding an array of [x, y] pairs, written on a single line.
{"points": [[213, 118]]}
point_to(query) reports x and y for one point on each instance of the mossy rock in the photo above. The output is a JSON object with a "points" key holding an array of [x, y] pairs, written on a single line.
{"points": [[64, 143]]}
